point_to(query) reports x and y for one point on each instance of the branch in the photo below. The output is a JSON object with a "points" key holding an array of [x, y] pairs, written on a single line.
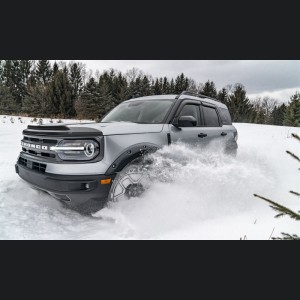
{"points": [[295, 193], [293, 155], [281, 209], [287, 236], [296, 136]]}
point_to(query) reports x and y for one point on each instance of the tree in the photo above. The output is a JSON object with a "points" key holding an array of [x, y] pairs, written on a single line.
{"points": [[181, 84], [60, 96], [239, 105], [283, 210], [36, 102], [7, 101], [55, 68], [192, 87], [88, 102], [172, 87], [43, 71], [156, 88], [292, 115], [119, 88], [1, 71], [165, 86], [223, 95], [277, 116], [209, 89], [76, 82]]}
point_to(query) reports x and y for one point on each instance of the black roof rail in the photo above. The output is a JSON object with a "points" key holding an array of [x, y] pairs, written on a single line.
{"points": [[195, 95]]}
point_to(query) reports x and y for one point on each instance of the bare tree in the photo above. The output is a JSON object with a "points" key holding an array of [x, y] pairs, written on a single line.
{"points": [[132, 74]]}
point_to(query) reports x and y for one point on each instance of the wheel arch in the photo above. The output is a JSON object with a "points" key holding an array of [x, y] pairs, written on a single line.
{"points": [[130, 154]]}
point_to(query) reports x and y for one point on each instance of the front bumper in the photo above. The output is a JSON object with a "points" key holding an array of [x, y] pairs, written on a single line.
{"points": [[74, 190]]}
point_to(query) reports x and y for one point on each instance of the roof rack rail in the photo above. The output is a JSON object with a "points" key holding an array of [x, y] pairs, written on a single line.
{"points": [[196, 95]]}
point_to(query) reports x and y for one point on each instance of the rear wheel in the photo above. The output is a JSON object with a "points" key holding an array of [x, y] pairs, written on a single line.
{"points": [[131, 182]]}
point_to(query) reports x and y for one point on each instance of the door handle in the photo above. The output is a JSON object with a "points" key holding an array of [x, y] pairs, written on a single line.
{"points": [[223, 134], [202, 135]]}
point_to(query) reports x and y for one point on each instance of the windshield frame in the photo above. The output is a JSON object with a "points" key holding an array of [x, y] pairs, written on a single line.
{"points": [[173, 101]]}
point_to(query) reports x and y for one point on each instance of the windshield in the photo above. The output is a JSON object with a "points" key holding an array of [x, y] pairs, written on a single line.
{"points": [[144, 112]]}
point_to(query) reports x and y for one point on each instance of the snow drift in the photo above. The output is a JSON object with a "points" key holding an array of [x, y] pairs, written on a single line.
{"points": [[207, 195]]}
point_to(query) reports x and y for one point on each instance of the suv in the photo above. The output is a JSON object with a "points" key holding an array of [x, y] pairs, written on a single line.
{"points": [[85, 164]]}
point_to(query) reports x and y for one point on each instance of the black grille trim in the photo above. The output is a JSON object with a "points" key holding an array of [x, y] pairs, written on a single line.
{"points": [[35, 166]]}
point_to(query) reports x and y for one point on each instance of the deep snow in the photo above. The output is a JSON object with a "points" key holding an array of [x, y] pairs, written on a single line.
{"points": [[210, 195]]}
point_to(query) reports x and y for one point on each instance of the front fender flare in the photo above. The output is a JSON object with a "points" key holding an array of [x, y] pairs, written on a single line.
{"points": [[130, 154]]}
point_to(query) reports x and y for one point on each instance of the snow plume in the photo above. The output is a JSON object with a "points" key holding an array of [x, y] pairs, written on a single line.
{"points": [[192, 185]]}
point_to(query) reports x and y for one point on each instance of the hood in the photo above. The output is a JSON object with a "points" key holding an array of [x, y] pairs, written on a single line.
{"points": [[121, 128]]}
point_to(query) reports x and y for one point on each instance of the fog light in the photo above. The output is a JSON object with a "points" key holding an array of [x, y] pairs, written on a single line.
{"points": [[87, 186]]}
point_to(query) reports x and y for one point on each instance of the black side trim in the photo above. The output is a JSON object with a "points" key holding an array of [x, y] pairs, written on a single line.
{"points": [[129, 155], [169, 139]]}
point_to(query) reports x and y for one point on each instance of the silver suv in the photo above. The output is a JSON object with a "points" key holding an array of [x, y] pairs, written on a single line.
{"points": [[84, 165]]}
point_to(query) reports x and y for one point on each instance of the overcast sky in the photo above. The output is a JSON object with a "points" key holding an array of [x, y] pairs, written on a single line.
{"points": [[276, 78]]}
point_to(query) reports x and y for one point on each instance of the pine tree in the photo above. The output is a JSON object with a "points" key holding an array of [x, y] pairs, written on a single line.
{"points": [[145, 86], [36, 102], [60, 96], [166, 86], [88, 102], [209, 89], [119, 88], [1, 70], [181, 84], [43, 71], [172, 87], [239, 105], [292, 115], [7, 102], [136, 87], [55, 69], [283, 210], [223, 95], [76, 82], [156, 88], [277, 116]]}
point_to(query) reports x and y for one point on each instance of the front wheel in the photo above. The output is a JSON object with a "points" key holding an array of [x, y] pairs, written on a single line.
{"points": [[131, 182]]}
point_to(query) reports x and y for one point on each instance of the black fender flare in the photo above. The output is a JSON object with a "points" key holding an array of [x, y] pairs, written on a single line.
{"points": [[130, 154]]}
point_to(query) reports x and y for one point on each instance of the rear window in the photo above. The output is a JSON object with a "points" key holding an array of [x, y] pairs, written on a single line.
{"points": [[211, 118], [225, 116]]}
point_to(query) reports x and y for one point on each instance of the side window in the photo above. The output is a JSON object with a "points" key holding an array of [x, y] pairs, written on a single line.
{"points": [[191, 110], [225, 116], [211, 118]]}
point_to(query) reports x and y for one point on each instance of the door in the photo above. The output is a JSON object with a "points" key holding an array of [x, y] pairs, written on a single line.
{"points": [[187, 135], [212, 125], [209, 126]]}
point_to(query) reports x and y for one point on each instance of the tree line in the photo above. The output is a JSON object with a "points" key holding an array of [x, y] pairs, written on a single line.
{"points": [[40, 89]]}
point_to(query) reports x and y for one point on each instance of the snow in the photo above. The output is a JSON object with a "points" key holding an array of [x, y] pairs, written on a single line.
{"points": [[210, 196]]}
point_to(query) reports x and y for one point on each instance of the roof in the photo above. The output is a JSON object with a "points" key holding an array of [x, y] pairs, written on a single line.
{"points": [[155, 97], [173, 97]]}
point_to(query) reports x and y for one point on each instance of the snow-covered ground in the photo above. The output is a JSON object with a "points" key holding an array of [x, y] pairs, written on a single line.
{"points": [[210, 197]]}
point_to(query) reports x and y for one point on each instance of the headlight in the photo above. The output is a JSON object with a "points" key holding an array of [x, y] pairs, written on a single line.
{"points": [[77, 149]]}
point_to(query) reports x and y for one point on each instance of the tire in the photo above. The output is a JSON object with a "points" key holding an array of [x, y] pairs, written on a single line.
{"points": [[130, 183]]}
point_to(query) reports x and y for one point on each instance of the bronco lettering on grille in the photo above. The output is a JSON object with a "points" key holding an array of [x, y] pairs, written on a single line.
{"points": [[34, 146]]}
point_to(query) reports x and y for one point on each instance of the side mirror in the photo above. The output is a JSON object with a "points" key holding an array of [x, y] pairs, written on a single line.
{"points": [[185, 121]]}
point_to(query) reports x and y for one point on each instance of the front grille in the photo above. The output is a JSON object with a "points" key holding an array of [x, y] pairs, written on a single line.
{"points": [[35, 166], [39, 147]]}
